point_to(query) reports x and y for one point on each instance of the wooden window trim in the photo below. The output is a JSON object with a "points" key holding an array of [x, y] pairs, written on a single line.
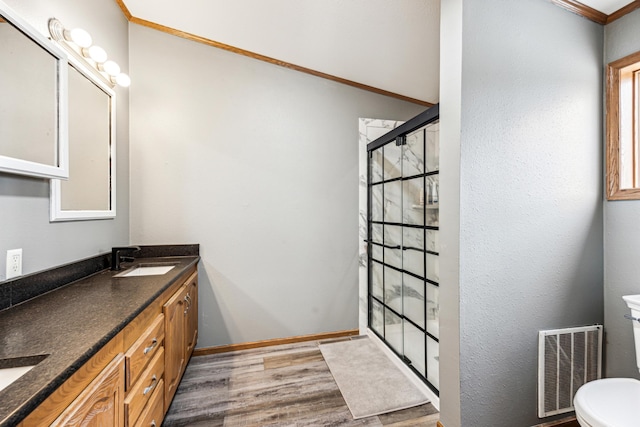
{"points": [[613, 178]]}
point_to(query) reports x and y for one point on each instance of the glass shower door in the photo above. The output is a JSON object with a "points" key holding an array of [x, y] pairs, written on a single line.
{"points": [[392, 229], [413, 211], [403, 248]]}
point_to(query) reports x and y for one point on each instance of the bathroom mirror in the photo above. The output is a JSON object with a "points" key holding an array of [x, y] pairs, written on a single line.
{"points": [[33, 105], [89, 193]]}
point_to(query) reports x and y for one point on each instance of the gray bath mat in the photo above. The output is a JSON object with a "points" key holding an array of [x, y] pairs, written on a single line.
{"points": [[369, 382]]}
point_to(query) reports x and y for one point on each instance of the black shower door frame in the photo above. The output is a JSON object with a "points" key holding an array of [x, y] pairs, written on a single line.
{"points": [[398, 136]]}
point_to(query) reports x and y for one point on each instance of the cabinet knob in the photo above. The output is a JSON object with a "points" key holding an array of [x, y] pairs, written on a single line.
{"points": [[153, 423]]}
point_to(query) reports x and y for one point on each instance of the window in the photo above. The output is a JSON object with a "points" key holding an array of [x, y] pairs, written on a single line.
{"points": [[623, 124]]}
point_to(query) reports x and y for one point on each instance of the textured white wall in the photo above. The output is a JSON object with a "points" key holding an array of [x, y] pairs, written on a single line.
{"points": [[24, 202], [622, 233], [392, 45], [258, 164], [530, 243], [450, 122]]}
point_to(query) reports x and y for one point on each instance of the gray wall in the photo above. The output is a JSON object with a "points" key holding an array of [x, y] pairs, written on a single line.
{"points": [[622, 233], [24, 202], [258, 164], [530, 170]]}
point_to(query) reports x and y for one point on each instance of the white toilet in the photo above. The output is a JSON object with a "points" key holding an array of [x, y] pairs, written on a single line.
{"points": [[612, 402]]}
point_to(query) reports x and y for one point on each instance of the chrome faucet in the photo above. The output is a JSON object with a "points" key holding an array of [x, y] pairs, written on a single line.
{"points": [[116, 259]]}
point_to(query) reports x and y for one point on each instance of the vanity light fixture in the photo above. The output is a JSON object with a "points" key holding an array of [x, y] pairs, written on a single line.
{"points": [[79, 42], [95, 53], [77, 36], [121, 80], [110, 67]]}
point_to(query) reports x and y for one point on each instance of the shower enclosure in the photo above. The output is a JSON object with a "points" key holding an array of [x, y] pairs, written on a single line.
{"points": [[402, 242]]}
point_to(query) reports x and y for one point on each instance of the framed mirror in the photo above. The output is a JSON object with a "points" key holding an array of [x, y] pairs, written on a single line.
{"points": [[33, 105], [89, 193]]}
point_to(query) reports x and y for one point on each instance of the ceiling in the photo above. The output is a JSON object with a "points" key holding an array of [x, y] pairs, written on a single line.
{"points": [[606, 6], [356, 40], [390, 45]]}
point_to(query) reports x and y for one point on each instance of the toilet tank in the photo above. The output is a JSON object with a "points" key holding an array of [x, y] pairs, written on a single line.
{"points": [[633, 302]]}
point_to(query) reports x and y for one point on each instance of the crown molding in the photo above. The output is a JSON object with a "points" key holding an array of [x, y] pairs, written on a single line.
{"points": [[623, 11], [593, 14], [125, 9], [582, 10]]}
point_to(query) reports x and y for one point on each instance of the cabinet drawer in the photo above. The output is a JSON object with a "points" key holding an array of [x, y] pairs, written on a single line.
{"points": [[154, 411], [143, 389], [143, 350]]}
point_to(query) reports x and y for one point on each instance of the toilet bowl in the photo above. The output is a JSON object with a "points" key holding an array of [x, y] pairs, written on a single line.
{"points": [[612, 402]]}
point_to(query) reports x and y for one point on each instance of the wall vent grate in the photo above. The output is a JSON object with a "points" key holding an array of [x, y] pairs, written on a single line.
{"points": [[567, 358]]}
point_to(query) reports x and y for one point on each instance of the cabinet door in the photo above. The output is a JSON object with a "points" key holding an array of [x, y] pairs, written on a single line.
{"points": [[101, 403], [175, 358], [191, 333]]}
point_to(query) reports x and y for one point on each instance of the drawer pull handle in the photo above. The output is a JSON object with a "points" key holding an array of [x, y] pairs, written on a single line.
{"points": [[154, 342], [154, 381]]}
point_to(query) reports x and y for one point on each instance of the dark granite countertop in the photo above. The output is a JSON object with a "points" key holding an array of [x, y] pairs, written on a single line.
{"points": [[69, 325]]}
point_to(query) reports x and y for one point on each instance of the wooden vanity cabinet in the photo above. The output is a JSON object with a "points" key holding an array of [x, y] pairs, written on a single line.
{"points": [[181, 333], [73, 392], [175, 356], [131, 381], [192, 315], [100, 404]]}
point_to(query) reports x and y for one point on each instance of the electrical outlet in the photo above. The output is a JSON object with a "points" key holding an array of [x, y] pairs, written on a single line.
{"points": [[14, 263]]}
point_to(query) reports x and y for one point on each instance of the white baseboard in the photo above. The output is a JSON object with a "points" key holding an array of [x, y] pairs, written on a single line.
{"points": [[435, 400]]}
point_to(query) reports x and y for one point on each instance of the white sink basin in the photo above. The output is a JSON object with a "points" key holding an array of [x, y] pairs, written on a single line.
{"points": [[147, 270], [13, 368], [9, 375]]}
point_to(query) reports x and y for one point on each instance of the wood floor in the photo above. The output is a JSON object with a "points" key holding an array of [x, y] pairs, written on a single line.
{"points": [[286, 385]]}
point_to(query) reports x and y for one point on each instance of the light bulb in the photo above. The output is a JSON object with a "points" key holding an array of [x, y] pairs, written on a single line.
{"points": [[78, 36], [96, 53], [122, 80], [111, 68]]}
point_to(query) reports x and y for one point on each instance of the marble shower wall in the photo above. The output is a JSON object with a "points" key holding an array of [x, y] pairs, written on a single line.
{"points": [[370, 130]]}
